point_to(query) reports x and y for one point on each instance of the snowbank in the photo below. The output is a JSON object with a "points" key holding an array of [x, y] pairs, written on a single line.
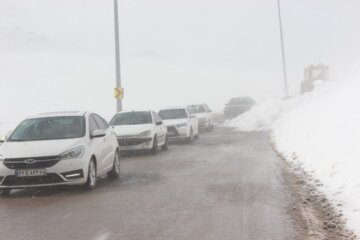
{"points": [[322, 130]]}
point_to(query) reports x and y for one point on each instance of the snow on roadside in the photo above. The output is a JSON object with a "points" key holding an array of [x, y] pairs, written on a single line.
{"points": [[322, 130]]}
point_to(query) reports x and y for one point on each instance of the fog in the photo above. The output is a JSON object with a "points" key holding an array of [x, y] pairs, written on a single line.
{"points": [[59, 55]]}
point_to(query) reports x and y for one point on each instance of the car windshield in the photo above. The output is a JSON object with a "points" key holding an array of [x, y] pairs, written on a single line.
{"points": [[173, 114], [197, 109], [131, 118], [49, 128]]}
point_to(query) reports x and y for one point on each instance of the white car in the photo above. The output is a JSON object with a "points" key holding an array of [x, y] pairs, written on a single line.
{"points": [[181, 125], [140, 130], [204, 114], [67, 148]]}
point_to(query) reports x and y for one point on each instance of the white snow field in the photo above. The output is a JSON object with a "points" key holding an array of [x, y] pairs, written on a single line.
{"points": [[322, 129]]}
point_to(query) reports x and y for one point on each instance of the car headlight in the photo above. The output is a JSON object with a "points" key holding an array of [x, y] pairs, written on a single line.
{"points": [[145, 133], [73, 153], [183, 125]]}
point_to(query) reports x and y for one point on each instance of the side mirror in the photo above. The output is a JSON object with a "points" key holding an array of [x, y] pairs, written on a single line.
{"points": [[159, 123], [98, 133], [3, 138]]}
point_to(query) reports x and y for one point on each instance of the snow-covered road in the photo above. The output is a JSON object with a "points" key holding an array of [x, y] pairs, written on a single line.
{"points": [[319, 131]]}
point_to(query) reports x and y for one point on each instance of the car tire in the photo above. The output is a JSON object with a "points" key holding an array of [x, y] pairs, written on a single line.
{"points": [[155, 146], [210, 127], [166, 144], [5, 192], [91, 179], [197, 136], [190, 139], [115, 171]]}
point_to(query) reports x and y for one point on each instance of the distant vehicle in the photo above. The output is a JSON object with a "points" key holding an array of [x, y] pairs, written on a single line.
{"points": [[204, 114], [140, 130], [181, 124], [68, 148], [237, 106]]}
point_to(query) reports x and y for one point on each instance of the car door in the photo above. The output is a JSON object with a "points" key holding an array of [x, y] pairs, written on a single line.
{"points": [[108, 149], [160, 128], [208, 113], [96, 143], [194, 122]]}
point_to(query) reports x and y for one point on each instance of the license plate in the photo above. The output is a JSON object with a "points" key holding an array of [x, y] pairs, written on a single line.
{"points": [[171, 133], [30, 172]]}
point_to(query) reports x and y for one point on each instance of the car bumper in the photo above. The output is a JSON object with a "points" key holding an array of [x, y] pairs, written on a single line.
{"points": [[204, 124], [65, 172], [176, 133], [133, 144]]}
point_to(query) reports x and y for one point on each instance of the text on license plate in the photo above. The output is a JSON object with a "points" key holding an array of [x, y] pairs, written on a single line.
{"points": [[30, 172]]}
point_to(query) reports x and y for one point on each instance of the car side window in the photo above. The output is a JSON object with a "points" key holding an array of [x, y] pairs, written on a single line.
{"points": [[92, 124], [106, 124], [207, 108], [188, 113], [155, 117], [100, 122]]}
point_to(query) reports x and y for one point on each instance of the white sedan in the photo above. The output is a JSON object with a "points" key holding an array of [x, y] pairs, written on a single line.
{"points": [[204, 114], [181, 124], [140, 130], [68, 148]]}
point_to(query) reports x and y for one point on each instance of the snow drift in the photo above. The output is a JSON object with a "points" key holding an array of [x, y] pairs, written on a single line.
{"points": [[322, 130]]}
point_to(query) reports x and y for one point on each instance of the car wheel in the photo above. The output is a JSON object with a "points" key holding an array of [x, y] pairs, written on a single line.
{"points": [[115, 171], [155, 146], [91, 179], [166, 144], [5, 192], [197, 136], [209, 128], [191, 137]]}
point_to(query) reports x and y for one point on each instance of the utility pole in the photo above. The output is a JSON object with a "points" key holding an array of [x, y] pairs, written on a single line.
{"points": [[286, 86], [117, 60]]}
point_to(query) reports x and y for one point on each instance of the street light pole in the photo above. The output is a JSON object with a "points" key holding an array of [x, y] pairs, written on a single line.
{"points": [[117, 56], [286, 86]]}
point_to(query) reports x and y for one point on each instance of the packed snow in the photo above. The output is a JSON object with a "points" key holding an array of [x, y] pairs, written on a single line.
{"points": [[320, 130]]}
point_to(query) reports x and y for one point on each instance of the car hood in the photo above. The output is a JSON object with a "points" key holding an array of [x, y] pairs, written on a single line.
{"points": [[131, 130], [173, 122], [38, 148]]}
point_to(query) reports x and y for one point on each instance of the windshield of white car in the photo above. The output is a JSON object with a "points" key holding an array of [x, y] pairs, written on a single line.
{"points": [[49, 128], [173, 114], [131, 118], [197, 109]]}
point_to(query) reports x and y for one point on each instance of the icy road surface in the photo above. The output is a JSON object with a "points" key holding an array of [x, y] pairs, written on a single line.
{"points": [[226, 185]]}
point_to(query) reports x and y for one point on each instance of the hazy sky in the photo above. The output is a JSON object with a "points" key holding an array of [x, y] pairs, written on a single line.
{"points": [[172, 52]]}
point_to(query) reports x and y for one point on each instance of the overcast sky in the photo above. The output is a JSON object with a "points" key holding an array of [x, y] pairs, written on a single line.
{"points": [[172, 52]]}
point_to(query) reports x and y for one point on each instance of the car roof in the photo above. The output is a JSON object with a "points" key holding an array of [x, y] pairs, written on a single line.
{"points": [[59, 114], [242, 99], [135, 111], [200, 104], [175, 107]]}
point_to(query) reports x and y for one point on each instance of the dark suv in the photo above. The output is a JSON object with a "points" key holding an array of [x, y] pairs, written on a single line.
{"points": [[237, 106]]}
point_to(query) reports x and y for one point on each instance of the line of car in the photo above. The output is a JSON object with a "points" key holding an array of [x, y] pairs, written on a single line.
{"points": [[75, 148]]}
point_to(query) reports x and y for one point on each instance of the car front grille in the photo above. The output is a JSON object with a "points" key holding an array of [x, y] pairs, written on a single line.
{"points": [[31, 163], [49, 178], [132, 141]]}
